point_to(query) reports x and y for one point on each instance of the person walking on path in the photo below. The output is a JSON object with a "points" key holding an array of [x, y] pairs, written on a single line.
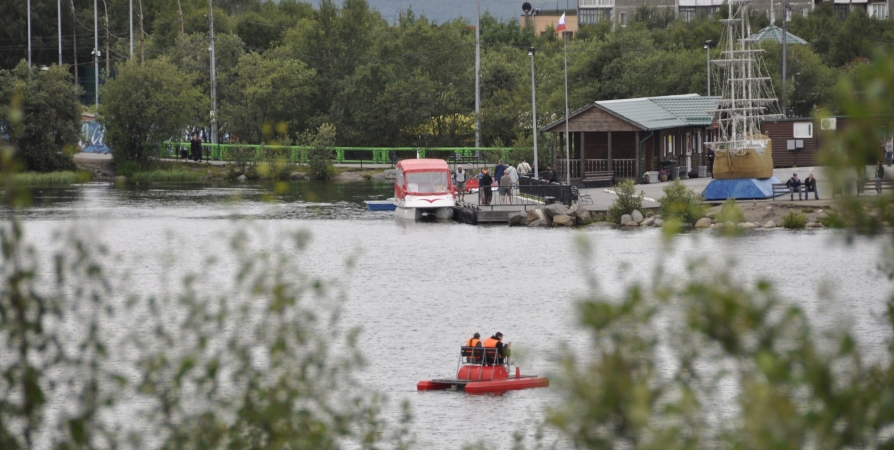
{"points": [[794, 185], [513, 174], [810, 186], [506, 188], [524, 169], [879, 175], [498, 171], [195, 147], [889, 151], [459, 177]]}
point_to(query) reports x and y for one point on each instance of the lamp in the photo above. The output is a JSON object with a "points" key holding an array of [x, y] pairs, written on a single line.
{"points": [[707, 46], [531, 51]]}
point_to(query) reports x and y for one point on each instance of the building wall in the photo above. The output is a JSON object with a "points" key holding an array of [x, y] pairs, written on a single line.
{"points": [[780, 132], [545, 19]]}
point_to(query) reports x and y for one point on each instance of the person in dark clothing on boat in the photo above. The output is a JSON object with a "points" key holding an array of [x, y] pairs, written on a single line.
{"points": [[484, 186], [502, 350]]}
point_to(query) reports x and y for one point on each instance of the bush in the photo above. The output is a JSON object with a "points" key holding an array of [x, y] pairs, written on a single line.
{"points": [[51, 178], [730, 212], [626, 202], [794, 219], [681, 203], [127, 168], [320, 156]]}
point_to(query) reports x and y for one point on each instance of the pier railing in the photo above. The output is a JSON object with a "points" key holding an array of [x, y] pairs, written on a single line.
{"points": [[528, 192], [341, 155]]}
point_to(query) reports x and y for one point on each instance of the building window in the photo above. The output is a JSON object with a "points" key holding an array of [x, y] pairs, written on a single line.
{"points": [[842, 10], [593, 16], [689, 13], [805, 12], [878, 11], [623, 19]]}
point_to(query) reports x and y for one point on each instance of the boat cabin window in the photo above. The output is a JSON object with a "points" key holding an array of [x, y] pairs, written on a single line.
{"points": [[399, 177], [425, 182]]}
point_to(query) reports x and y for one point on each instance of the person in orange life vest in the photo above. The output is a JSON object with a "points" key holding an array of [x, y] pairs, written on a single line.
{"points": [[472, 355], [496, 341]]}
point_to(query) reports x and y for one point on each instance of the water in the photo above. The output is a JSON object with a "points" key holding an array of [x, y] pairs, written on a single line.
{"points": [[420, 289]]}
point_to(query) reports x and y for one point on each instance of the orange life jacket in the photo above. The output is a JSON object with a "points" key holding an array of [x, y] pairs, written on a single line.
{"points": [[491, 342], [472, 342]]}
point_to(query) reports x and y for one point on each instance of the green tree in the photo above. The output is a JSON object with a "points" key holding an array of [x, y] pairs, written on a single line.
{"points": [[48, 135], [145, 105], [319, 156], [264, 91]]}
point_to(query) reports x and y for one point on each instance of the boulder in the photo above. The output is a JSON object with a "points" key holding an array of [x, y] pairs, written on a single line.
{"points": [[813, 225], [658, 222], [740, 225], [648, 222], [625, 219], [556, 209], [517, 219], [296, 175], [631, 224], [717, 226], [636, 216], [563, 220], [241, 178], [770, 224], [597, 216], [650, 214], [729, 224], [748, 225], [685, 225], [536, 223], [704, 222], [531, 216], [537, 214]]}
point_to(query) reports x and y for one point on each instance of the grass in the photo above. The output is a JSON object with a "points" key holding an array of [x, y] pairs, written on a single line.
{"points": [[166, 175], [730, 212], [793, 219], [51, 178]]}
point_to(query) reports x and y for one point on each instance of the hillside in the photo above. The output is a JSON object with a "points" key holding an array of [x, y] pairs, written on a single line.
{"points": [[442, 11]]}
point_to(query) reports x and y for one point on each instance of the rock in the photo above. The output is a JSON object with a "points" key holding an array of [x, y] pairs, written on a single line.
{"points": [[729, 224], [770, 224], [241, 178], [748, 225], [636, 216], [596, 216], [531, 216], [563, 220], [813, 225], [517, 219], [769, 208], [556, 209], [718, 225], [648, 222], [650, 214], [821, 213], [631, 224], [685, 225], [740, 225], [658, 222], [296, 175], [390, 174], [625, 219], [536, 223], [704, 222]]}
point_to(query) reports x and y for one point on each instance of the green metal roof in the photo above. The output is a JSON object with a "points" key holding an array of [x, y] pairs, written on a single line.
{"points": [[774, 33], [657, 113]]}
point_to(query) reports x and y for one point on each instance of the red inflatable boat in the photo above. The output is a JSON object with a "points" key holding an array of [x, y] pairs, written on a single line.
{"points": [[479, 372]]}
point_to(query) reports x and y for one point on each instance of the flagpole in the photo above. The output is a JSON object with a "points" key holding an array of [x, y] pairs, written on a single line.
{"points": [[567, 140]]}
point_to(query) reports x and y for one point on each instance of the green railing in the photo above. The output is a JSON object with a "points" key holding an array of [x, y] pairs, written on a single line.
{"points": [[341, 155]]}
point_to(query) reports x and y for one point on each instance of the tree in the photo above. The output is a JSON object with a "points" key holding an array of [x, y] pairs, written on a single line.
{"points": [[48, 135], [145, 105], [264, 91]]}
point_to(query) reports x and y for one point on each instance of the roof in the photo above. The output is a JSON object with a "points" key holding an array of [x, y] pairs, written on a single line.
{"points": [[424, 164], [657, 113], [774, 33]]}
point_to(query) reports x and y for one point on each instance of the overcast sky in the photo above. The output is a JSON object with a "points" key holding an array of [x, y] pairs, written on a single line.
{"points": [[444, 10]]}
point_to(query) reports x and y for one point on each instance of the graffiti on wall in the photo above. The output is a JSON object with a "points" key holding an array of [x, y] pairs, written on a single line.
{"points": [[92, 138]]}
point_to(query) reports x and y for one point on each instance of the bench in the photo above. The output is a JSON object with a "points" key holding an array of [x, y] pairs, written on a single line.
{"points": [[782, 189], [599, 177], [874, 185]]}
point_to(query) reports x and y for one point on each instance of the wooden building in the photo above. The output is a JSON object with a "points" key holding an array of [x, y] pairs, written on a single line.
{"points": [[796, 141], [633, 136]]}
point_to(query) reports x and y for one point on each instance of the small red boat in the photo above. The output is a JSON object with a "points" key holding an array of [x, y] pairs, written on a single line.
{"points": [[480, 371]]}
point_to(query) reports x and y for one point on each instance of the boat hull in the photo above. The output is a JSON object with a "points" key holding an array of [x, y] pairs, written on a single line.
{"points": [[380, 205], [405, 213], [478, 379], [750, 165]]}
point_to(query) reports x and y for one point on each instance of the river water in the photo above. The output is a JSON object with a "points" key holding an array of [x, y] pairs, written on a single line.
{"points": [[420, 289]]}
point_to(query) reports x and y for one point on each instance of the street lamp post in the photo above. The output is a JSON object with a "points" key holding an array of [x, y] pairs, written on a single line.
{"points": [[708, 64], [531, 51]]}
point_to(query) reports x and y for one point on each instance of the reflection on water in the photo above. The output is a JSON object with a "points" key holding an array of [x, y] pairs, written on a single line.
{"points": [[418, 290]]}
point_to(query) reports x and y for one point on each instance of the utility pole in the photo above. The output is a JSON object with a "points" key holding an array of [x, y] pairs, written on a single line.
{"points": [[96, 54], [59, 15], [567, 134], [130, 22], [106, 6], [29, 33], [784, 48], [74, 39], [142, 33], [478, 75], [213, 78]]}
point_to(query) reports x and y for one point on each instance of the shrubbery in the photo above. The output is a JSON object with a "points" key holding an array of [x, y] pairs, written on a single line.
{"points": [[627, 201], [730, 212], [794, 219], [681, 203]]}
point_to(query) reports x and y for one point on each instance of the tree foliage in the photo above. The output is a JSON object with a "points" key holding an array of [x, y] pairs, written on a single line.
{"points": [[626, 202], [145, 105]]}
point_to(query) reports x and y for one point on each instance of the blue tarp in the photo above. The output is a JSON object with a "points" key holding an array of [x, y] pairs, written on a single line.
{"points": [[741, 189]]}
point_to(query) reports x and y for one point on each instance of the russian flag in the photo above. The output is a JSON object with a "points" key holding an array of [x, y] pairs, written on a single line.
{"points": [[561, 26]]}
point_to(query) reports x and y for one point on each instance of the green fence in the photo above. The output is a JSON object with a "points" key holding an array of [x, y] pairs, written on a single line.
{"points": [[341, 155]]}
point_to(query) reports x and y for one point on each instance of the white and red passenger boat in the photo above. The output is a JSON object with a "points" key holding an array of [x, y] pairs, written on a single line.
{"points": [[480, 371], [423, 186]]}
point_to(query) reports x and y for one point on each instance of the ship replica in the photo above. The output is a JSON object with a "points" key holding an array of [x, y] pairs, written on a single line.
{"points": [[743, 163]]}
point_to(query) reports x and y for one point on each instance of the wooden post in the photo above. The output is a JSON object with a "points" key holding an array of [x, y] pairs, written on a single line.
{"points": [[583, 156], [610, 168], [554, 151], [638, 154]]}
